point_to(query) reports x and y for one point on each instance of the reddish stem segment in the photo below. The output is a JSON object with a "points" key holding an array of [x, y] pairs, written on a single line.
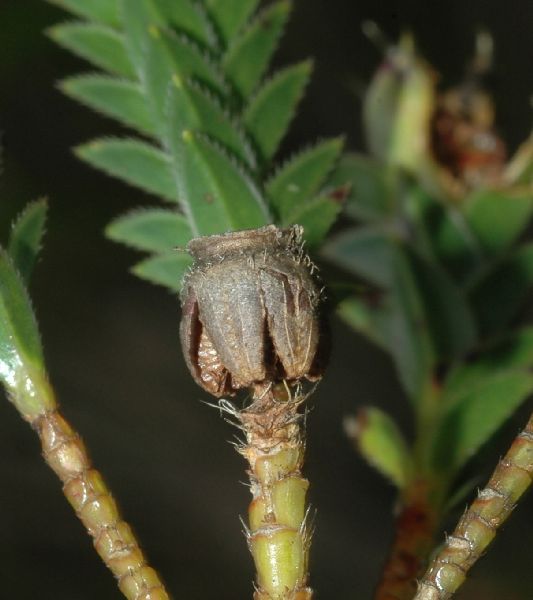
{"points": [[90, 497], [477, 527]]}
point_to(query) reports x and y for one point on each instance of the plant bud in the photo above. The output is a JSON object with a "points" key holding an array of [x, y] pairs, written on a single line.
{"points": [[251, 310]]}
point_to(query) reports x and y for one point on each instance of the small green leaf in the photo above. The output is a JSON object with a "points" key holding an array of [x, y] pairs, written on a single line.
{"points": [[301, 178], [186, 17], [249, 55], [498, 296], [133, 161], [117, 98], [151, 229], [99, 44], [371, 197], [475, 416], [497, 218], [316, 216], [201, 111], [102, 11], [167, 270], [270, 111], [381, 443], [26, 237], [217, 194], [230, 16]]}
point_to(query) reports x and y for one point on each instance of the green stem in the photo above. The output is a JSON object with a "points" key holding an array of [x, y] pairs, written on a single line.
{"points": [[278, 536], [477, 527]]}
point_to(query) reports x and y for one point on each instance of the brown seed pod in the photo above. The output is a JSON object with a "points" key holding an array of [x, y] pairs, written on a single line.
{"points": [[251, 310]]}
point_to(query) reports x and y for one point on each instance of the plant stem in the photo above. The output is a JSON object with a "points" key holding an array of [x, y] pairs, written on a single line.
{"points": [[477, 527], [414, 538], [87, 492], [278, 535]]}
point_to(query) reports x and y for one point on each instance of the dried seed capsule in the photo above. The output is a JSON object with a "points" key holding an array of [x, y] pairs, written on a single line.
{"points": [[250, 310]]}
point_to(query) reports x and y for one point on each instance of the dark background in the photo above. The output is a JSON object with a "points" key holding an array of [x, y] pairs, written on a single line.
{"points": [[112, 347]]}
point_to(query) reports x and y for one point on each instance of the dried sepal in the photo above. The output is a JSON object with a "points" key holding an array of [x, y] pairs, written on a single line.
{"points": [[251, 310]]}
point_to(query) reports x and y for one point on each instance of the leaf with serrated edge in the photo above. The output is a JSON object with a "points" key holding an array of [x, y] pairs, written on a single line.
{"points": [[477, 415], [26, 237], [185, 16], [269, 112], [229, 16], [249, 55], [381, 443], [101, 11], [117, 98], [151, 229], [300, 178], [167, 270], [99, 44], [135, 162]]}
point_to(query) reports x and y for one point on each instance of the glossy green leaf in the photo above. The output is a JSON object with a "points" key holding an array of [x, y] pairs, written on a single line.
{"points": [[151, 229], [167, 270], [475, 416], [498, 296], [229, 16], [269, 112], [26, 237], [135, 162], [497, 217], [371, 191], [381, 444], [249, 54], [201, 112], [117, 98], [292, 186], [101, 11], [99, 44], [316, 217]]}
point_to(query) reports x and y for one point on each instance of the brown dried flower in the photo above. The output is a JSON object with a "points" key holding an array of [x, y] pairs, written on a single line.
{"points": [[251, 311]]}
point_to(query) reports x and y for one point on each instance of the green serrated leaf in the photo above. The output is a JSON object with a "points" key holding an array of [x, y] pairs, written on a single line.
{"points": [[99, 44], [135, 162], [151, 229], [497, 217], [186, 17], [117, 98], [381, 443], [101, 11], [201, 112], [270, 111], [26, 237], [498, 296], [217, 194], [249, 54], [298, 180], [371, 195], [21, 355], [167, 270], [477, 415], [316, 216], [229, 16]]}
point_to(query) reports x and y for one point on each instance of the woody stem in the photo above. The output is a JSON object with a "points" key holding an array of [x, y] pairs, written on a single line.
{"points": [[278, 535]]}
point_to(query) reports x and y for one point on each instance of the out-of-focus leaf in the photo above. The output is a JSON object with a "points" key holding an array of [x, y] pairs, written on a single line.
{"points": [[102, 11], [301, 178], [381, 443], [249, 54], [99, 44], [477, 415], [230, 16], [164, 269], [497, 218], [365, 316], [151, 229], [498, 296], [216, 193], [371, 196], [26, 237], [133, 161], [117, 98], [268, 114]]}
